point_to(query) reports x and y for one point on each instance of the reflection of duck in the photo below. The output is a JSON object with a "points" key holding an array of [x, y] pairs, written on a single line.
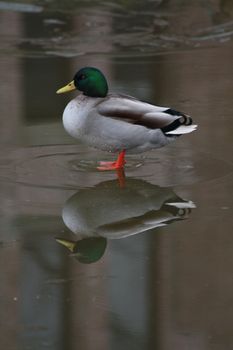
{"points": [[87, 250], [109, 212], [116, 122]]}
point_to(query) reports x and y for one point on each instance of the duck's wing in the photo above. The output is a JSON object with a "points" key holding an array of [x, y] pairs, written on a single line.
{"points": [[133, 111]]}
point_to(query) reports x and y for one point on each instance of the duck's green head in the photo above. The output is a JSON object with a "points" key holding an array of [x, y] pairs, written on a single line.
{"points": [[90, 81]]}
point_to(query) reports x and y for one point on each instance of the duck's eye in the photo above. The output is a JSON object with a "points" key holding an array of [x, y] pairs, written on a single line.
{"points": [[83, 76]]}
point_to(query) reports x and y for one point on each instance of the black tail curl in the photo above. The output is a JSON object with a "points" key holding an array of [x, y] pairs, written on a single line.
{"points": [[183, 120]]}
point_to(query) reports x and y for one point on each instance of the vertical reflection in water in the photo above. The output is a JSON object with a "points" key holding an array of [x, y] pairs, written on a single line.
{"points": [[165, 82], [10, 88], [88, 318], [128, 293], [43, 302], [164, 93], [40, 81], [161, 332], [89, 313], [155, 75], [41, 77], [154, 290], [45, 312], [10, 111], [9, 291]]}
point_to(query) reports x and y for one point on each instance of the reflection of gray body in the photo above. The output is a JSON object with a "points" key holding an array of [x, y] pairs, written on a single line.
{"points": [[112, 212]]}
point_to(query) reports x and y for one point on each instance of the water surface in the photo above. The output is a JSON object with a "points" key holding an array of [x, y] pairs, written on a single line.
{"points": [[148, 264]]}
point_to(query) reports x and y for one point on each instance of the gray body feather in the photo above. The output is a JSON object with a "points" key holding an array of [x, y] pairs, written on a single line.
{"points": [[117, 122]]}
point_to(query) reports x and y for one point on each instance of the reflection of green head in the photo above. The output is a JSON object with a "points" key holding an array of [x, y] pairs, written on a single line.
{"points": [[87, 250]]}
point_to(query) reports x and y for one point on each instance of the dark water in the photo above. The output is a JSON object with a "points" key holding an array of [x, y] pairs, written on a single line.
{"points": [[150, 263]]}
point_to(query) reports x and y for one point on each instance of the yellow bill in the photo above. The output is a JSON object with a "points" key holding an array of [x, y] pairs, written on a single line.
{"points": [[67, 88]]}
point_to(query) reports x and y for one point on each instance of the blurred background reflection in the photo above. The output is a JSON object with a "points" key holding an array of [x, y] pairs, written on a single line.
{"points": [[170, 287]]}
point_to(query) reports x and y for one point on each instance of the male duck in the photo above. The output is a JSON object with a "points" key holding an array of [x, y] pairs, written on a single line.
{"points": [[117, 122]]}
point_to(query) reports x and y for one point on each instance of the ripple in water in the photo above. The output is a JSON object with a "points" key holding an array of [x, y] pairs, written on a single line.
{"points": [[72, 167]]}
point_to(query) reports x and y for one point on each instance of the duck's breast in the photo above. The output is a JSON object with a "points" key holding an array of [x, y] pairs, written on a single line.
{"points": [[73, 120]]}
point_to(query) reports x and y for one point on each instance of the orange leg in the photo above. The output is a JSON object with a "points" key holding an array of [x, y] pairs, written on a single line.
{"points": [[118, 164]]}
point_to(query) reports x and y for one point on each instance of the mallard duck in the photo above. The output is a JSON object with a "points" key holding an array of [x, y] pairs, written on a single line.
{"points": [[118, 122]]}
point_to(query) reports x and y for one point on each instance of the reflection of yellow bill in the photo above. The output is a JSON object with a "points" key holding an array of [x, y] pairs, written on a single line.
{"points": [[68, 244], [67, 88]]}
